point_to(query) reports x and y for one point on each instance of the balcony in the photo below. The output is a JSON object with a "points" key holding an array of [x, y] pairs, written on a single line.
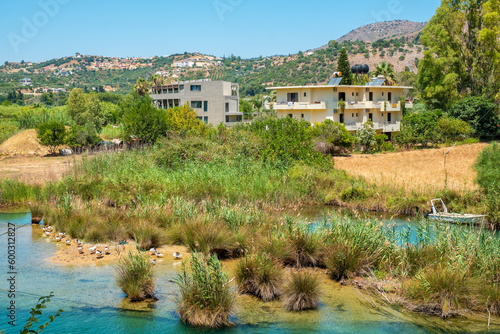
{"points": [[360, 105], [321, 105], [383, 126]]}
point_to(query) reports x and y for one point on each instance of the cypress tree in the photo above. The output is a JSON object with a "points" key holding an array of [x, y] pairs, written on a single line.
{"points": [[344, 67]]}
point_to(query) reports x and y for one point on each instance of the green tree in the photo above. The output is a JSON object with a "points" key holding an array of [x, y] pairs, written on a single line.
{"points": [[332, 137], [454, 129], [82, 136], [463, 57], [481, 115], [344, 67], [183, 120], [387, 70], [246, 108], [51, 134], [488, 178], [257, 103], [419, 128], [142, 120], [142, 86], [365, 136], [77, 104]]}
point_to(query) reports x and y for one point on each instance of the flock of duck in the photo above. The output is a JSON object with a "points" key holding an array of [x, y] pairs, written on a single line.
{"points": [[49, 231]]}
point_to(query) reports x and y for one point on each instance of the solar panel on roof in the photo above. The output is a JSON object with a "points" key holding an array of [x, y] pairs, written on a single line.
{"points": [[334, 81], [379, 82]]}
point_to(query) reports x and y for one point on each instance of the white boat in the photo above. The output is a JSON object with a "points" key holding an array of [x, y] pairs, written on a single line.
{"points": [[446, 216]]}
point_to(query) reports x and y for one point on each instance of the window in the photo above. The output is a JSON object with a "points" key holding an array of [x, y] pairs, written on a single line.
{"points": [[205, 119], [370, 116], [196, 88], [305, 94], [290, 115], [181, 87], [302, 116], [352, 114], [352, 93], [334, 111], [199, 118], [227, 106], [205, 106], [382, 93], [356, 114], [357, 94], [370, 96], [196, 104], [341, 118], [293, 97], [389, 96], [234, 90]]}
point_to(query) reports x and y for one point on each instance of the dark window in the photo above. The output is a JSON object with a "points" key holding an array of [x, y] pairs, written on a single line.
{"points": [[196, 104], [370, 116], [205, 106], [290, 115], [305, 94], [196, 88], [205, 119], [302, 116], [341, 118], [227, 106], [181, 87], [370, 96], [227, 119], [293, 97], [389, 96], [342, 96], [389, 117]]}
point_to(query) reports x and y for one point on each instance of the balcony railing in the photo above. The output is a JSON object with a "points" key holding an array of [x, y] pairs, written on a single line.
{"points": [[384, 126], [320, 105]]}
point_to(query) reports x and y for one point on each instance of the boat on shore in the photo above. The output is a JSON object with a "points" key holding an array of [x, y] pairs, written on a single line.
{"points": [[448, 217]]}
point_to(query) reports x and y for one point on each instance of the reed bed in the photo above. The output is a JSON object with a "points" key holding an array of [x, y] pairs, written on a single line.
{"points": [[259, 275], [301, 292], [204, 298], [135, 277]]}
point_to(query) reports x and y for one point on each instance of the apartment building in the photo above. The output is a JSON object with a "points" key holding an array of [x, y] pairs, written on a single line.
{"points": [[215, 102], [375, 102]]}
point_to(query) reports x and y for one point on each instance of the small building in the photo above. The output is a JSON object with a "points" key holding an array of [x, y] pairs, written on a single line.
{"points": [[25, 82], [215, 102], [374, 101]]}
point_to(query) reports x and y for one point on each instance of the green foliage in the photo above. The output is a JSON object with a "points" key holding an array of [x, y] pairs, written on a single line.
{"points": [[488, 178], [331, 137], [463, 59], [205, 298], [246, 108], [142, 120], [37, 311], [419, 128], [134, 276], [454, 129], [51, 134], [287, 140], [354, 193], [85, 108], [183, 120], [387, 70], [7, 131], [344, 67], [82, 136], [365, 136], [481, 115]]}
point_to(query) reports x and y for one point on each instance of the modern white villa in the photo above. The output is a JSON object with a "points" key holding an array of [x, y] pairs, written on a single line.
{"points": [[215, 102], [375, 102]]}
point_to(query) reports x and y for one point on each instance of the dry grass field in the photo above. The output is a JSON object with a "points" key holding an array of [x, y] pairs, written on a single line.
{"points": [[421, 170]]}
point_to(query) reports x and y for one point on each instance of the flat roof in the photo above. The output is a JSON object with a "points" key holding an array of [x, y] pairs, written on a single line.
{"points": [[338, 86]]}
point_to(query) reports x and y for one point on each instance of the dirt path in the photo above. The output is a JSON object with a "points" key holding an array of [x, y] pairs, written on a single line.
{"points": [[35, 170], [417, 170]]}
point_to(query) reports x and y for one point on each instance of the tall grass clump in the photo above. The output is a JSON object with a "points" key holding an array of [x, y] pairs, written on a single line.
{"points": [[260, 276], [488, 177], [304, 246], [301, 292], [135, 277], [204, 298], [441, 290]]}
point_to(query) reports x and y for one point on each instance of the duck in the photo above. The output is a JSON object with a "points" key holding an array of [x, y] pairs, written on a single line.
{"points": [[68, 241], [58, 239], [78, 242], [47, 233], [153, 262], [44, 228], [92, 249], [159, 254], [106, 250], [62, 234], [177, 256], [99, 254], [152, 251], [49, 228], [80, 249]]}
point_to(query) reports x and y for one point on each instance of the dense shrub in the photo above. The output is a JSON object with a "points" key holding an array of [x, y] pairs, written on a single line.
{"points": [[480, 113], [135, 277], [488, 178], [301, 292], [51, 134]]}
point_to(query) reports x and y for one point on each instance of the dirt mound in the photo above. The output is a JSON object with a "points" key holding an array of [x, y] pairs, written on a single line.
{"points": [[24, 143]]}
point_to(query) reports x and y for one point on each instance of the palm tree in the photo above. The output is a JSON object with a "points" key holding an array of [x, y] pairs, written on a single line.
{"points": [[257, 103], [142, 86], [157, 81], [387, 70]]}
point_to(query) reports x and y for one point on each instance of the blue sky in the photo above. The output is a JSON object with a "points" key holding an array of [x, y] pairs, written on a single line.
{"points": [[36, 30]]}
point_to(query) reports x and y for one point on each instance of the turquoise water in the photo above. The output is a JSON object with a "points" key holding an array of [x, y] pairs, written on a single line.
{"points": [[92, 303]]}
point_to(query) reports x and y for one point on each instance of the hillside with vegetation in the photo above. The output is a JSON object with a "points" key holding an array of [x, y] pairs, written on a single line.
{"points": [[112, 74], [384, 30]]}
